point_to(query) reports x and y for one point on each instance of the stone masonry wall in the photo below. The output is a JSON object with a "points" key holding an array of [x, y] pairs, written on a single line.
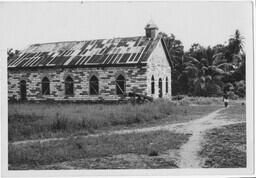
{"points": [[135, 82], [159, 67]]}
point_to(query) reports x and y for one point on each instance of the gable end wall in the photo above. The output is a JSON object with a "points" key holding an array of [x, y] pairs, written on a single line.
{"points": [[159, 67]]}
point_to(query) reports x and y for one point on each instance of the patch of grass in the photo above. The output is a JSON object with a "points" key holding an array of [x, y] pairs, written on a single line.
{"points": [[41, 120], [200, 100], [32, 156], [235, 112], [123, 161], [236, 109], [225, 147], [59, 123]]}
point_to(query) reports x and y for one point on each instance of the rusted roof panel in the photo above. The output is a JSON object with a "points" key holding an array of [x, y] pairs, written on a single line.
{"points": [[130, 50]]}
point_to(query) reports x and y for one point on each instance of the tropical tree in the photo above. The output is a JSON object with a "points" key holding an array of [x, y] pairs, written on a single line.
{"points": [[233, 52], [207, 71], [176, 51]]}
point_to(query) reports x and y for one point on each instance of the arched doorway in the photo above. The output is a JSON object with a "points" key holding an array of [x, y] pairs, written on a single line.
{"points": [[160, 94], [23, 90]]}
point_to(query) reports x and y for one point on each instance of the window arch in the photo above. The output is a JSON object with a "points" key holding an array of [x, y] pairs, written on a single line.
{"points": [[120, 85], [160, 94], [23, 90], [152, 85], [94, 85], [45, 86], [166, 85], [69, 86]]}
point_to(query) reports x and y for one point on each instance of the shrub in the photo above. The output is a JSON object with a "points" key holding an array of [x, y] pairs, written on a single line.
{"points": [[153, 153], [232, 95], [185, 102], [214, 90], [228, 87], [12, 99], [178, 97], [240, 88]]}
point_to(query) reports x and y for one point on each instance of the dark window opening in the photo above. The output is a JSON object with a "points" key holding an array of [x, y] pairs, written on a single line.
{"points": [[152, 85], [166, 85], [160, 88], [94, 86], [45, 86], [148, 33], [120, 85], [69, 86], [23, 90]]}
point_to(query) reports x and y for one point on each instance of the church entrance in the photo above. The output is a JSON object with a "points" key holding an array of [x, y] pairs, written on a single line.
{"points": [[160, 94], [23, 90]]}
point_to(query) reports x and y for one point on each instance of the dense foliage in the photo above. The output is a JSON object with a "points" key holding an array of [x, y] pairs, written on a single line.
{"points": [[12, 54], [208, 71]]}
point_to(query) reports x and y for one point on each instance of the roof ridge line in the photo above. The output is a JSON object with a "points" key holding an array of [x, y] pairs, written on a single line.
{"points": [[81, 40]]}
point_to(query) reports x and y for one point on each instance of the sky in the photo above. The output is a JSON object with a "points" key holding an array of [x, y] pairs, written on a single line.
{"points": [[207, 23]]}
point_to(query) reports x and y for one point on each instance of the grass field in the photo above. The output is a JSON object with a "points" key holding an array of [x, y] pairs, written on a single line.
{"points": [[225, 147], [33, 120], [236, 112], [36, 155]]}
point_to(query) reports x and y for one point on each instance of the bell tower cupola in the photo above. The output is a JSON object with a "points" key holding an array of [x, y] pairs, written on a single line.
{"points": [[151, 29]]}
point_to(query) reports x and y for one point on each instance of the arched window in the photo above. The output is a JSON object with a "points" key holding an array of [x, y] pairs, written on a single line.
{"points": [[120, 85], [45, 86], [94, 85], [69, 86], [160, 94], [152, 85], [166, 84], [23, 90]]}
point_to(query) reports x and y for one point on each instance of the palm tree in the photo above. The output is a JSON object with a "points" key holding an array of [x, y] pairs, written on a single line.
{"points": [[204, 71], [234, 49], [236, 43]]}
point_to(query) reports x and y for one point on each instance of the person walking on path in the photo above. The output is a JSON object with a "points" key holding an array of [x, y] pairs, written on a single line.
{"points": [[225, 99]]}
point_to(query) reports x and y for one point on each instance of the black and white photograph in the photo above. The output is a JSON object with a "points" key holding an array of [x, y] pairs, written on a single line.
{"points": [[127, 86]]}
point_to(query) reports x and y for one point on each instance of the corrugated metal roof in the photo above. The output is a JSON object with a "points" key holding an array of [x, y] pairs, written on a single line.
{"points": [[132, 50]]}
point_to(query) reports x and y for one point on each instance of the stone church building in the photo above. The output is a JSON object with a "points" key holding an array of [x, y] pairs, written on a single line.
{"points": [[104, 69]]}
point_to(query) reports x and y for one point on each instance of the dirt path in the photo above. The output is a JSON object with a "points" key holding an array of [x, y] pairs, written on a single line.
{"points": [[189, 151], [171, 127]]}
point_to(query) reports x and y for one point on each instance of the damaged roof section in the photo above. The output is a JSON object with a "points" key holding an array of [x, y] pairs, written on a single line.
{"points": [[132, 50]]}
